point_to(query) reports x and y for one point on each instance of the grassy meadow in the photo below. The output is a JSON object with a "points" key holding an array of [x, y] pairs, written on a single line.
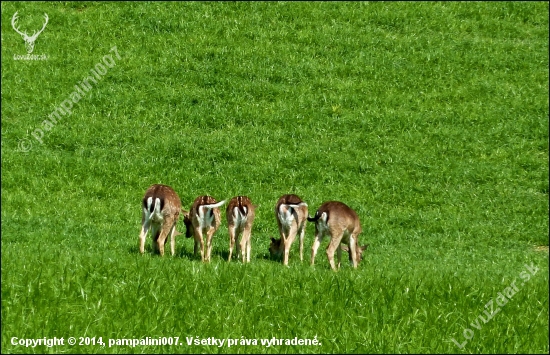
{"points": [[429, 119]]}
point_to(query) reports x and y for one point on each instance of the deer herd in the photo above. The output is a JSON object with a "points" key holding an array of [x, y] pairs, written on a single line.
{"points": [[162, 208]]}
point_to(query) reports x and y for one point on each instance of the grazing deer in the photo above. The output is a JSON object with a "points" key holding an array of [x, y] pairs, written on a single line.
{"points": [[240, 215], [203, 218], [341, 223], [161, 211], [291, 214], [29, 40]]}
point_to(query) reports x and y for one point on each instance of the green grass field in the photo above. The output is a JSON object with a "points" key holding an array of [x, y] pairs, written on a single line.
{"points": [[428, 119]]}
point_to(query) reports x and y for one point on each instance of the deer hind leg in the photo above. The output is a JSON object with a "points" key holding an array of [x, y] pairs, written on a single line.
{"points": [[162, 238], [232, 241], [302, 234], [238, 246], [332, 247], [245, 245], [209, 236], [316, 244], [288, 243], [167, 228], [142, 235], [199, 242], [286, 251], [283, 236], [248, 245], [160, 241]]}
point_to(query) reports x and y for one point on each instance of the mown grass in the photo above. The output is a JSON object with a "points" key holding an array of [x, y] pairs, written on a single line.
{"points": [[429, 119]]}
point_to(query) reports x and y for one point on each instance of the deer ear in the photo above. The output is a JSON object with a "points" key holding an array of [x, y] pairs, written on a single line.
{"points": [[272, 240], [345, 248]]}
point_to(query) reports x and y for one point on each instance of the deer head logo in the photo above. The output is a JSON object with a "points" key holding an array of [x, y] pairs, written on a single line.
{"points": [[29, 40]]}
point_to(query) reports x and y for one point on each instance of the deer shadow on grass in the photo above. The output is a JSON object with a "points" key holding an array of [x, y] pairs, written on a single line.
{"points": [[235, 257], [181, 251], [187, 252]]}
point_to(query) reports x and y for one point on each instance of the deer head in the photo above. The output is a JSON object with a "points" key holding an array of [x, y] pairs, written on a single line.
{"points": [[358, 251], [29, 40]]}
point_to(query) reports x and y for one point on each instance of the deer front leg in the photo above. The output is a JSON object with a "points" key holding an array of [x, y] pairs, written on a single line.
{"points": [[352, 249], [155, 235], [195, 246], [248, 250], [339, 255]]}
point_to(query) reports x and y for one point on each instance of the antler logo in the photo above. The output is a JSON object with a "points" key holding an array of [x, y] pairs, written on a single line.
{"points": [[29, 40]]}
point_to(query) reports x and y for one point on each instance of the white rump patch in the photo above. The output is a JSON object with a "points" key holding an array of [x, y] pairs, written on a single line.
{"points": [[285, 216], [149, 203], [157, 213], [147, 208], [238, 217], [322, 225], [204, 216]]}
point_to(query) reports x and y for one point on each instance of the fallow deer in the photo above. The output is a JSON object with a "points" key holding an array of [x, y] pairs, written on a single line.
{"points": [[291, 214], [203, 218], [240, 215], [161, 210], [342, 224]]}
